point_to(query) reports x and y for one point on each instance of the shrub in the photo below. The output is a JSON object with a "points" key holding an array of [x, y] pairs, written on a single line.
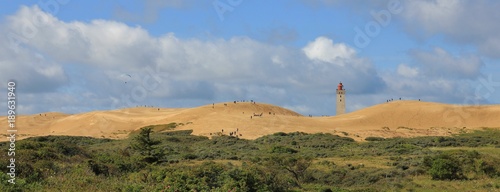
{"points": [[68, 149], [374, 139], [146, 146], [98, 168], [178, 133], [488, 166], [190, 156], [282, 149], [280, 134], [444, 168]]}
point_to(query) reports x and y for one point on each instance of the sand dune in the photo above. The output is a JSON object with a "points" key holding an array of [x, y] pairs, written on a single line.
{"points": [[394, 119]]}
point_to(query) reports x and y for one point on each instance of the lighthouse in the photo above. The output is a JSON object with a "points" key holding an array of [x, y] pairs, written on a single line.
{"points": [[340, 99]]}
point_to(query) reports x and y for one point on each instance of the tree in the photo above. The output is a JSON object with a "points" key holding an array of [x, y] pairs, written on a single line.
{"points": [[296, 166], [146, 146]]}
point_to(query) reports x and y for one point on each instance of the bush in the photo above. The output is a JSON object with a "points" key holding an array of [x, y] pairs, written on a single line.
{"points": [[374, 139], [445, 169], [190, 156], [282, 149], [147, 146], [489, 166], [280, 134], [326, 190], [68, 149], [178, 133], [97, 168]]}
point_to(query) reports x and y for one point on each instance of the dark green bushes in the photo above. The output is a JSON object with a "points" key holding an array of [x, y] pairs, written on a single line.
{"points": [[146, 146], [97, 168], [374, 139], [282, 149], [444, 168], [452, 165], [278, 162], [218, 177], [178, 133]]}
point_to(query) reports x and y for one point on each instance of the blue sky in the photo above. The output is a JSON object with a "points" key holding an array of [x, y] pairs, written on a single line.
{"points": [[74, 56]]}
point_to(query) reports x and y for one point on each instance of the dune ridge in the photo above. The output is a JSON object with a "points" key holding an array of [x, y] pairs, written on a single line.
{"points": [[393, 119]]}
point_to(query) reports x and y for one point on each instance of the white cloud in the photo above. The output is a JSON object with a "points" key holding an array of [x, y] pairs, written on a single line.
{"points": [[32, 72], [85, 60], [101, 43], [407, 71], [323, 49], [277, 60]]}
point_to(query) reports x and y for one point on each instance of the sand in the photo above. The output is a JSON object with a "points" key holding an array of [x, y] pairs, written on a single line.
{"points": [[393, 119]]}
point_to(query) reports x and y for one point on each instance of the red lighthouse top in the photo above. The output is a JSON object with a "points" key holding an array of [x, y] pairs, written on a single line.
{"points": [[340, 86]]}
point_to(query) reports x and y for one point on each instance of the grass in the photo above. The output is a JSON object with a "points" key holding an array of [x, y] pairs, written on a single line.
{"points": [[379, 162], [428, 185], [266, 164], [490, 150]]}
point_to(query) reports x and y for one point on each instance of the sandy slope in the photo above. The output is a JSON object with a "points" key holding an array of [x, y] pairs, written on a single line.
{"points": [[398, 118]]}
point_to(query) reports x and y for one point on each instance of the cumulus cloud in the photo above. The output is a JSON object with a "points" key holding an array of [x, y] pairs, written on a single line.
{"points": [[407, 71], [101, 43], [323, 49], [30, 69], [84, 61]]}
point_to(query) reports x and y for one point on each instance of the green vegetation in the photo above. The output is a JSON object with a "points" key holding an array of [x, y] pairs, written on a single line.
{"points": [[146, 146], [374, 139], [151, 160], [445, 168]]}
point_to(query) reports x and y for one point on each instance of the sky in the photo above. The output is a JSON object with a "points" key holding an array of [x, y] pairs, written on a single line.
{"points": [[78, 56]]}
